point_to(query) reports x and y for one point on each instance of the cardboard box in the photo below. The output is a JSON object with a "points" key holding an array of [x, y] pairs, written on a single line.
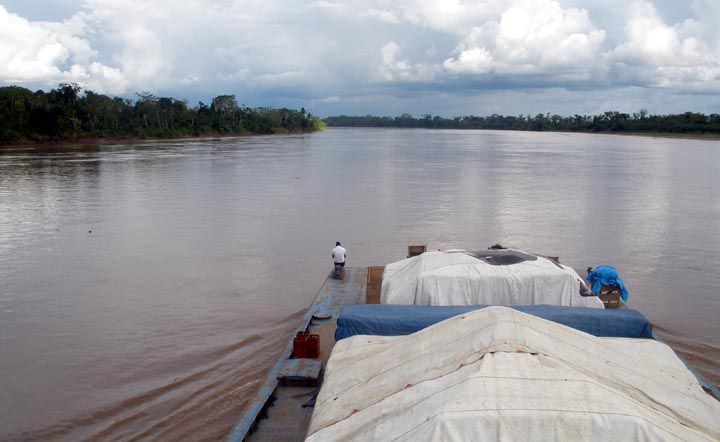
{"points": [[416, 250], [374, 284]]}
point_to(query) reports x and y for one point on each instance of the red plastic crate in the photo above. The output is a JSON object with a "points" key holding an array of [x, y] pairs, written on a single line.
{"points": [[300, 345], [313, 346]]}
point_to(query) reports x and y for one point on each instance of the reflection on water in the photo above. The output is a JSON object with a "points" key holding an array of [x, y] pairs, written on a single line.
{"points": [[147, 287]]}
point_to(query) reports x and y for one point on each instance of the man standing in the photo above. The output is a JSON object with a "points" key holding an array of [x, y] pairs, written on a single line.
{"points": [[338, 255]]}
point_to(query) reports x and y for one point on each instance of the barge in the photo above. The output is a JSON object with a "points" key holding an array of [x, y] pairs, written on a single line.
{"points": [[283, 407]]}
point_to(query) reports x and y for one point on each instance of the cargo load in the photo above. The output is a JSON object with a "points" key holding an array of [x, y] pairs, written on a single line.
{"points": [[494, 277], [397, 320], [500, 374]]}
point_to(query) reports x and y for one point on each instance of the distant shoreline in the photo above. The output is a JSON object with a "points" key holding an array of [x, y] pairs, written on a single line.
{"points": [[681, 136], [688, 125], [706, 137]]}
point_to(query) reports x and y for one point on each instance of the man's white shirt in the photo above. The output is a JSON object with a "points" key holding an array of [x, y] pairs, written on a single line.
{"points": [[339, 253]]}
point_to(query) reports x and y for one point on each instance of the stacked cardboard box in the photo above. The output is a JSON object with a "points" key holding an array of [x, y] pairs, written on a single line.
{"points": [[374, 283], [610, 296], [416, 250]]}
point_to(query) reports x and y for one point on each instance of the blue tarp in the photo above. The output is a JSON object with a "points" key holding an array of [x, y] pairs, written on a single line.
{"points": [[395, 320], [607, 275]]}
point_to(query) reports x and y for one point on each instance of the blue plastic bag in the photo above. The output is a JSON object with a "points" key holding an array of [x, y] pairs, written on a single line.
{"points": [[607, 275]]}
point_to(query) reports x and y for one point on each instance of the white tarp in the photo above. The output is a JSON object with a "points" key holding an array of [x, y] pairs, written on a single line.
{"points": [[455, 278], [499, 374]]}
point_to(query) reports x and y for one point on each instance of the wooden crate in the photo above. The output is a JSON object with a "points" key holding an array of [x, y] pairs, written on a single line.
{"points": [[374, 284], [374, 276], [372, 296], [416, 250]]}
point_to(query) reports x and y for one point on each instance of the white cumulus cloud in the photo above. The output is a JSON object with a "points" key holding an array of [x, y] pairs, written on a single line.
{"points": [[29, 51], [531, 37], [393, 68], [657, 54], [47, 53]]}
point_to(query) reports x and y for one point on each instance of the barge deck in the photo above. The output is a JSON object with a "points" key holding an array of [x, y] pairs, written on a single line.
{"points": [[280, 412]]}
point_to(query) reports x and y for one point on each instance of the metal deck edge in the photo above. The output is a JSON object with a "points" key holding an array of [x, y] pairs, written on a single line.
{"points": [[251, 415]]}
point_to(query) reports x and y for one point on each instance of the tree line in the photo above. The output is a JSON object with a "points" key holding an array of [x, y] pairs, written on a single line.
{"points": [[68, 113], [685, 123]]}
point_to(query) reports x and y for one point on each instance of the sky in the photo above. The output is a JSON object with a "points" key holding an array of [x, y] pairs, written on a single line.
{"points": [[380, 57]]}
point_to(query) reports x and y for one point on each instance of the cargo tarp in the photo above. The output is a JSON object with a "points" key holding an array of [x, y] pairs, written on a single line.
{"points": [[500, 374], [463, 278], [395, 320]]}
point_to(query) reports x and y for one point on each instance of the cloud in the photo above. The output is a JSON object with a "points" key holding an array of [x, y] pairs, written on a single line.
{"points": [[351, 12], [47, 53], [331, 99], [27, 51], [331, 6], [393, 68], [657, 54], [649, 39], [455, 17], [472, 60], [305, 51], [532, 38], [541, 42], [380, 15]]}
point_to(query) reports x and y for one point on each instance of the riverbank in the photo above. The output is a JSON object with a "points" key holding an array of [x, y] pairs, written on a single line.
{"points": [[680, 136], [706, 136], [93, 141]]}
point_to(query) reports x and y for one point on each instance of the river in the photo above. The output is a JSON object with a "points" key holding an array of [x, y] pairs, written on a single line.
{"points": [[146, 288]]}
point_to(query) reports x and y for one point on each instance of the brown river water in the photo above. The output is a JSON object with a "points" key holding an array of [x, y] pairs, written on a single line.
{"points": [[146, 289]]}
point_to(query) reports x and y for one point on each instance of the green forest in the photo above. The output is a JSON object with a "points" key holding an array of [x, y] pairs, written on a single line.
{"points": [[69, 113], [640, 122]]}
